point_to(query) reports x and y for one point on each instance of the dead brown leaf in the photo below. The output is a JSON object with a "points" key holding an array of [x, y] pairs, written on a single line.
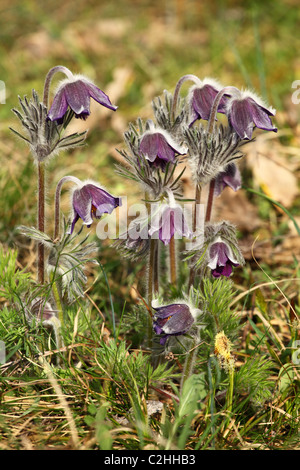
{"points": [[272, 170]]}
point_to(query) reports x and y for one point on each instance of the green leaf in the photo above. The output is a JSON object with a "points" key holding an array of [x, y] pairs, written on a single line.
{"points": [[286, 377]]}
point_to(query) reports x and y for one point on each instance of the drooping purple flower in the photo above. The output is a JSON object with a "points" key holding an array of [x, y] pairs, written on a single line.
{"points": [[168, 220], [246, 111], [230, 177], [158, 146], [221, 258], [91, 201], [75, 93], [172, 320], [201, 98]]}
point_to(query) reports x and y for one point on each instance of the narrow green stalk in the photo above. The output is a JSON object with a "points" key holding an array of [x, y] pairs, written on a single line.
{"points": [[229, 396], [211, 399], [57, 299], [229, 400], [189, 363], [110, 299], [41, 222]]}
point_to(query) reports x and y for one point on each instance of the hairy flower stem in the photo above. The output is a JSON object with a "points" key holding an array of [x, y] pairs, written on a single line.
{"points": [[57, 201], [196, 218], [50, 74], [212, 118], [189, 363], [156, 268], [150, 287], [41, 181], [179, 84], [172, 251], [210, 201], [41, 222]]}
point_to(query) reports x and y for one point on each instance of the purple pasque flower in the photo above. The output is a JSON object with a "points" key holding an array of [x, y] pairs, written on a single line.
{"points": [[91, 201], [167, 220], [75, 93], [201, 98], [230, 177], [159, 147], [221, 258], [41, 309], [172, 320], [245, 111]]}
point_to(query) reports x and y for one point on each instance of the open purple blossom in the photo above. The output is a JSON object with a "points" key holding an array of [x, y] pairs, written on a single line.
{"points": [[168, 220], [246, 111], [75, 93], [201, 98], [230, 177], [91, 201], [158, 147], [221, 258], [172, 320]]}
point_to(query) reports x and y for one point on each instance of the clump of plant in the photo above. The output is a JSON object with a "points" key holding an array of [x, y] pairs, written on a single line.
{"points": [[185, 302]]}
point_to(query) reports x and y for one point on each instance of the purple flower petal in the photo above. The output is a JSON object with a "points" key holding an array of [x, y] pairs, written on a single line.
{"points": [[222, 270], [221, 259], [82, 204], [169, 221], [261, 116], [156, 145], [78, 97], [76, 94], [158, 149], [99, 96], [104, 202], [59, 106], [173, 319], [90, 202], [230, 177], [245, 113], [202, 99], [241, 118]]}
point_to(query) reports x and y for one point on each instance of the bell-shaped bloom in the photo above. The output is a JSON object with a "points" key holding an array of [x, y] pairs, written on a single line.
{"points": [[246, 111], [168, 220], [91, 201], [221, 259], [75, 93], [158, 146], [41, 310], [201, 98], [172, 320], [230, 177]]}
